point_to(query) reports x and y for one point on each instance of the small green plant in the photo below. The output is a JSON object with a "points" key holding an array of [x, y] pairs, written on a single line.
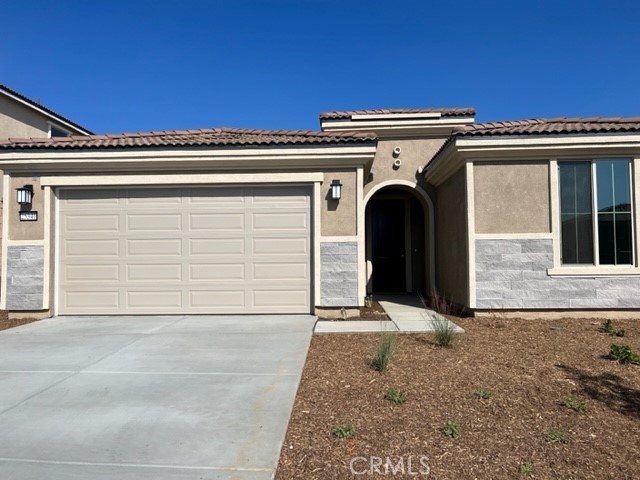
{"points": [[395, 396], [574, 404], [384, 353], [344, 431], [368, 301], [452, 429], [484, 394], [556, 436], [526, 467], [623, 354], [607, 327], [343, 313], [443, 330]]}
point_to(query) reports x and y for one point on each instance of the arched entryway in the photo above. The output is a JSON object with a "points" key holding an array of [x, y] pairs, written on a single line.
{"points": [[399, 259]]}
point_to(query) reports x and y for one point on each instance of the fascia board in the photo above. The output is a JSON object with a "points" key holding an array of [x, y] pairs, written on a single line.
{"points": [[168, 159], [424, 125], [436, 171]]}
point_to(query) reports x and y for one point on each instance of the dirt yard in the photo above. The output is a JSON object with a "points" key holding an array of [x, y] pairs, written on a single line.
{"points": [[526, 368], [5, 323], [374, 312]]}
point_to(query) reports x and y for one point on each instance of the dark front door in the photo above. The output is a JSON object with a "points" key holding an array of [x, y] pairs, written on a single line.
{"points": [[388, 245]]}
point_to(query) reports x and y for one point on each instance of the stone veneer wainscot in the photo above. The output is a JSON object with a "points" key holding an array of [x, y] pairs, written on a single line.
{"points": [[513, 274], [25, 277], [338, 274]]}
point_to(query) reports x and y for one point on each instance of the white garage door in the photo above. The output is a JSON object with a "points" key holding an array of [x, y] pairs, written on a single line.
{"points": [[184, 250]]}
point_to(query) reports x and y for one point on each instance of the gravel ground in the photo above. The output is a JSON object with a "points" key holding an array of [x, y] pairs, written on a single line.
{"points": [[529, 366]]}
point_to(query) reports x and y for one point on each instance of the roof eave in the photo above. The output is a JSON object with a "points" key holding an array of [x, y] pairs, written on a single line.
{"points": [[462, 148], [425, 127], [178, 159]]}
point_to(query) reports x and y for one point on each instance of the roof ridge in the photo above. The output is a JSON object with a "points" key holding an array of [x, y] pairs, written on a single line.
{"points": [[220, 136], [205, 131]]}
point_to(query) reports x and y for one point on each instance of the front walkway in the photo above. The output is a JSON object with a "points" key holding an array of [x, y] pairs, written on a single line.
{"points": [[149, 397], [407, 314]]}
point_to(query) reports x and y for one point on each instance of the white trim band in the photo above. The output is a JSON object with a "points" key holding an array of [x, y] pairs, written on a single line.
{"points": [[514, 236], [185, 179]]}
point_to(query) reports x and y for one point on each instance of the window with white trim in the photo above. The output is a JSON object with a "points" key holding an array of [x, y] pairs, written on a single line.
{"points": [[55, 131], [596, 212]]}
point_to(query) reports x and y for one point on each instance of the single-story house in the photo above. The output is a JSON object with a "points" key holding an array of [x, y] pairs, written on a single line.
{"points": [[525, 215]]}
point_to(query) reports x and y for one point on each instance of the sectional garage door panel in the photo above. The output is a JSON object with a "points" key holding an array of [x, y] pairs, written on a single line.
{"points": [[184, 250]]}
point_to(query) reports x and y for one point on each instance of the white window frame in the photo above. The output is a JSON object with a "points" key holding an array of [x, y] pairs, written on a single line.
{"points": [[595, 270], [58, 127]]}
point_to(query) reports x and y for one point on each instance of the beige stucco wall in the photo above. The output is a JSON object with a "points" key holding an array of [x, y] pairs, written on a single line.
{"points": [[415, 153], [339, 218], [451, 239], [512, 197], [19, 121], [25, 230]]}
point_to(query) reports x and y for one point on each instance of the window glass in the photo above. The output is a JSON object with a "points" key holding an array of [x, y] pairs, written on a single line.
{"points": [[57, 132], [622, 186], [624, 247], [613, 219], [614, 207], [576, 212], [613, 186]]}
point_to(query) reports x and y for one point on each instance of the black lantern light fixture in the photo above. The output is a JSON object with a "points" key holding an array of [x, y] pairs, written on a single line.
{"points": [[336, 189], [24, 195]]}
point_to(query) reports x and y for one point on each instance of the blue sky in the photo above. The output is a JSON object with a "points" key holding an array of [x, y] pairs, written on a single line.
{"points": [[137, 65]]}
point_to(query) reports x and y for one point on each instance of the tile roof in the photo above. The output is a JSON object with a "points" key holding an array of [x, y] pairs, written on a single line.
{"points": [[445, 112], [550, 126], [541, 126], [212, 137], [42, 107]]}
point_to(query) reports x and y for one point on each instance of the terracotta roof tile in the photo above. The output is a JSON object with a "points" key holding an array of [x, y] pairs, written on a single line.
{"points": [[550, 126], [542, 126], [42, 107], [192, 138], [446, 112]]}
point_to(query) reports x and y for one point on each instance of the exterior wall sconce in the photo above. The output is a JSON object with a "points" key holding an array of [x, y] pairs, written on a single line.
{"points": [[24, 195], [336, 189]]}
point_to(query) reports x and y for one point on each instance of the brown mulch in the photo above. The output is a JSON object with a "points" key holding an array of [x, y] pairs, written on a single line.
{"points": [[375, 312], [5, 323], [529, 365]]}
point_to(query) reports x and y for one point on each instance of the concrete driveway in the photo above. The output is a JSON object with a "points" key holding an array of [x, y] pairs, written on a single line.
{"points": [[153, 397]]}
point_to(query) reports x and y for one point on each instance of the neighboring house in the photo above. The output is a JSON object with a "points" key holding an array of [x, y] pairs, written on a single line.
{"points": [[537, 214], [21, 117]]}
